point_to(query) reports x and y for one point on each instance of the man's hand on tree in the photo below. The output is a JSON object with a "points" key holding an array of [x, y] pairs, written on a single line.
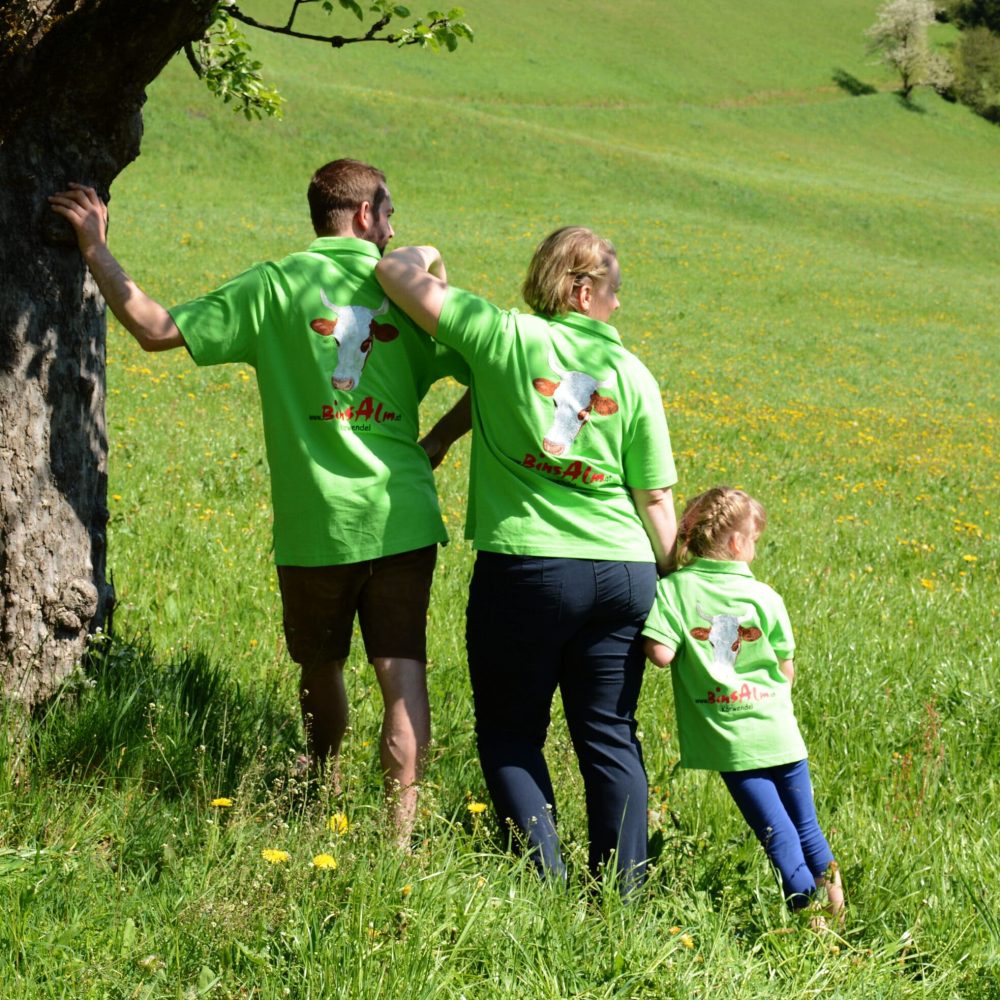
{"points": [[83, 209]]}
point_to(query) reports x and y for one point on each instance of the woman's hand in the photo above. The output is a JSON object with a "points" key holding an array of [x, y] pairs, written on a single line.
{"points": [[415, 279]]}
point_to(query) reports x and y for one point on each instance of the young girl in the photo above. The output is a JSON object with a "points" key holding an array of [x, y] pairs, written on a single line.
{"points": [[729, 643]]}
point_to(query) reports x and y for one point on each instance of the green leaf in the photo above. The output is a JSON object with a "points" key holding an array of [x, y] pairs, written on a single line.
{"points": [[129, 936], [207, 980], [354, 6]]}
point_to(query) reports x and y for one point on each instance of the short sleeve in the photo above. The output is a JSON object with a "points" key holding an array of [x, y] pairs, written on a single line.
{"points": [[472, 326], [664, 624], [648, 460], [222, 325], [449, 363], [780, 637]]}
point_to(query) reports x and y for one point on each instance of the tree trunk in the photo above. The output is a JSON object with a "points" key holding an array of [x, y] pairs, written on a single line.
{"points": [[72, 83]]}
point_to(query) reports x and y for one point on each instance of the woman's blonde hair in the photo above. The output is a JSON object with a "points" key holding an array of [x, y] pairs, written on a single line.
{"points": [[562, 262], [710, 519]]}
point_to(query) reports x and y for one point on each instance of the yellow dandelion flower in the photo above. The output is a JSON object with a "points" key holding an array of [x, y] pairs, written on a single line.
{"points": [[339, 824], [221, 803], [928, 584], [686, 940], [675, 929], [274, 857], [969, 558], [406, 890], [324, 861], [476, 807]]}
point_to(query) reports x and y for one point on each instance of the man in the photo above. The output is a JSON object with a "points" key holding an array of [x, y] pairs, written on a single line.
{"points": [[341, 373]]}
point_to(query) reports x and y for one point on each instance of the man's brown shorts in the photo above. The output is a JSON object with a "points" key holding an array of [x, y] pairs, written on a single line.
{"points": [[390, 596]]}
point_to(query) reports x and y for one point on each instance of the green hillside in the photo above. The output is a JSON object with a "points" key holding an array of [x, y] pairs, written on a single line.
{"points": [[812, 277], [764, 217]]}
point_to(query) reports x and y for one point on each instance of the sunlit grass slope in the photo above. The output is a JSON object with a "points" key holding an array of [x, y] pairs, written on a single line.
{"points": [[812, 278]]}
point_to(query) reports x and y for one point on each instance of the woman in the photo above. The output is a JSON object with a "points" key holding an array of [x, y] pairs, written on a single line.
{"points": [[571, 514]]}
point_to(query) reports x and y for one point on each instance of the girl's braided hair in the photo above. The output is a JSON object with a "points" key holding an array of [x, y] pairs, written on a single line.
{"points": [[710, 519]]}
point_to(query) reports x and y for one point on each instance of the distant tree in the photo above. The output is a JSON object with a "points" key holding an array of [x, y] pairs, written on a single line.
{"points": [[975, 14], [73, 75], [899, 38], [977, 72]]}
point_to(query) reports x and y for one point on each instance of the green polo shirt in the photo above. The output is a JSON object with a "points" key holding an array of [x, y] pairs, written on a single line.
{"points": [[565, 420], [341, 372], [728, 631]]}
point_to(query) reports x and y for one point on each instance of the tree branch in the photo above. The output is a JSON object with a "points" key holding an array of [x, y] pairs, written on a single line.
{"points": [[336, 41], [195, 63]]}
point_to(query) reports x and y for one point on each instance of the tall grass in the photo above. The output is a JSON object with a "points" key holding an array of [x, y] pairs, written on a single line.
{"points": [[811, 276]]}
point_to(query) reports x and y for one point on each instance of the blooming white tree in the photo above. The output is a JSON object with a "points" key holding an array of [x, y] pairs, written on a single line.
{"points": [[899, 38]]}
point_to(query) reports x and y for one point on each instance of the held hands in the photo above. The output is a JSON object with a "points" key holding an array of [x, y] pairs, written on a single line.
{"points": [[81, 207], [435, 448]]}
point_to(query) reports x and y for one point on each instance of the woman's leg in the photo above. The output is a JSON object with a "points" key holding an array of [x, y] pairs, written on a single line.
{"points": [[513, 642], [600, 681], [756, 794]]}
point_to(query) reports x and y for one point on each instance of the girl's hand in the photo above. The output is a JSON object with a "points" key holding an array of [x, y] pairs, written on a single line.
{"points": [[658, 654]]}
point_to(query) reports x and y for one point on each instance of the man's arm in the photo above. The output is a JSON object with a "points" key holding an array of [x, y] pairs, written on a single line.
{"points": [[456, 422], [787, 667], [414, 278], [143, 317], [656, 511]]}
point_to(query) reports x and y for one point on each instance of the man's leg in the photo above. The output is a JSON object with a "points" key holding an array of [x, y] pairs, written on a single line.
{"points": [[392, 611], [318, 614], [323, 700], [406, 733]]}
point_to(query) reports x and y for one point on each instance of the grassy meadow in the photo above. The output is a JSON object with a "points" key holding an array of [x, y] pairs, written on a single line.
{"points": [[812, 278]]}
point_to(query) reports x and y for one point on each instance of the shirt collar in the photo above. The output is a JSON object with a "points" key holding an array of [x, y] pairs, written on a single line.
{"points": [[594, 327], [345, 244], [720, 566]]}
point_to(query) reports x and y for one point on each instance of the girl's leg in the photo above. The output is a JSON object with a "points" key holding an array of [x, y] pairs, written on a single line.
{"points": [[795, 788], [600, 680], [756, 794], [512, 637]]}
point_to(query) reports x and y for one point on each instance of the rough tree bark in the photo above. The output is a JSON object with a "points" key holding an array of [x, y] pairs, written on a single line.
{"points": [[72, 84]]}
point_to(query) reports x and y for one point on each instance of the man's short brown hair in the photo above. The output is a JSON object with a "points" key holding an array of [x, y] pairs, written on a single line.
{"points": [[337, 190]]}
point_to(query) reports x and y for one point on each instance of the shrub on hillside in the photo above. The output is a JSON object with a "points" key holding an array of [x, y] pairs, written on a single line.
{"points": [[975, 14], [977, 72]]}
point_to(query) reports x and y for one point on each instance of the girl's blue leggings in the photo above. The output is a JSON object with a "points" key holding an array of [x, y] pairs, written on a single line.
{"points": [[777, 803]]}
